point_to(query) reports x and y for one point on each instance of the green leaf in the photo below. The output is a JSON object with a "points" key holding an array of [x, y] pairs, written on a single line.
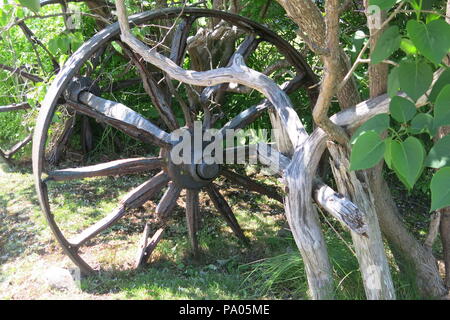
{"points": [[408, 47], [76, 40], [378, 123], [34, 5], [439, 155], [60, 44], [440, 189], [442, 108], [432, 17], [393, 82], [423, 122], [367, 151], [432, 39], [4, 17], [408, 160], [383, 4], [387, 44], [428, 4], [117, 47], [415, 78], [53, 46], [388, 152], [63, 43], [402, 109], [443, 80]]}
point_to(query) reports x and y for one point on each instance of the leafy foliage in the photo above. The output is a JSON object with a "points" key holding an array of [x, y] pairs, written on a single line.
{"points": [[426, 41], [388, 43]]}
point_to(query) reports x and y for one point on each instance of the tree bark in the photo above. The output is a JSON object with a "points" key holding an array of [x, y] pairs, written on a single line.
{"points": [[378, 73], [372, 260], [313, 30]]}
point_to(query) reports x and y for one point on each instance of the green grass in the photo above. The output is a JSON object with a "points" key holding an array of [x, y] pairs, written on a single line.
{"points": [[28, 249], [271, 268]]}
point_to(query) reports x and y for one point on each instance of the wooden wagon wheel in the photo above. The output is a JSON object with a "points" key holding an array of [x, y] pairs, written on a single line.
{"points": [[82, 95]]}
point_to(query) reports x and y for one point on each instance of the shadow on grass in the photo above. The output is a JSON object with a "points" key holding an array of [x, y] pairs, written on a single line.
{"points": [[18, 205]]}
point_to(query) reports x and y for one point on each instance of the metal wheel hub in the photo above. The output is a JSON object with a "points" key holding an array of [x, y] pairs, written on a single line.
{"points": [[194, 175]]}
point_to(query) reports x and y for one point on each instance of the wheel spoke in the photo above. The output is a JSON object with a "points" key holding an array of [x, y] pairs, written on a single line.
{"points": [[5, 159], [15, 107], [133, 199], [146, 246], [121, 117], [117, 167], [159, 99], [18, 146], [249, 45], [192, 215], [225, 210], [179, 41], [245, 117], [251, 114], [168, 201], [251, 185]]}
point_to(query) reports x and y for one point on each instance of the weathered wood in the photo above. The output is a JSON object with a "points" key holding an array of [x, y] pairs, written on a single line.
{"points": [[192, 216], [340, 207], [14, 107], [332, 70], [303, 218], [179, 41], [117, 167], [146, 246], [18, 146], [87, 142], [249, 115], [155, 93], [312, 28], [122, 118], [237, 72], [133, 199], [352, 118], [139, 261], [22, 73], [249, 45], [369, 250], [250, 184], [433, 230], [62, 140], [5, 159], [124, 114], [224, 209], [281, 134], [168, 201], [245, 117]]}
